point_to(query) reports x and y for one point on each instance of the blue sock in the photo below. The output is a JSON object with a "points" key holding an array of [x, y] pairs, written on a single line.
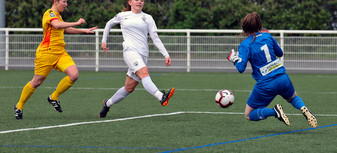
{"points": [[261, 114], [297, 102]]}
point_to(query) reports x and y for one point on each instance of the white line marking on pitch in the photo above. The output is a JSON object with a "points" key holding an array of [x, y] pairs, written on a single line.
{"points": [[90, 122], [138, 117]]}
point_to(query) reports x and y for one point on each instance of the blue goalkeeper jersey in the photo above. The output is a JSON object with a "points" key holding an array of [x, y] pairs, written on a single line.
{"points": [[262, 55]]}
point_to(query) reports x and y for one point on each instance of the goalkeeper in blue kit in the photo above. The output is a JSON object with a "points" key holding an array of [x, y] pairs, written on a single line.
{"points": [[262, 50]]}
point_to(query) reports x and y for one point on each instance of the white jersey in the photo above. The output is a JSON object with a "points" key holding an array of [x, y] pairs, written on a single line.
{"points": [[135, 30]]}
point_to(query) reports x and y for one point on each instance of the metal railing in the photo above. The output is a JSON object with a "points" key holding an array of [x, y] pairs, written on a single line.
{"points": [[190, 50]]}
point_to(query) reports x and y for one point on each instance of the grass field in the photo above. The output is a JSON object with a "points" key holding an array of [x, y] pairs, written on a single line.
{"points": [[191, 123]]}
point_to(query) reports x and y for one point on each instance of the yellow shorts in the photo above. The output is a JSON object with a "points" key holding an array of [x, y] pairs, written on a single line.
{"points": [[45, 62]]}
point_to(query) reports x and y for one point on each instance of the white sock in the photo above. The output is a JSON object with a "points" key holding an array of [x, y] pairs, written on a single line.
{"points": [[151, 87], [159, 95], [118, 96]]}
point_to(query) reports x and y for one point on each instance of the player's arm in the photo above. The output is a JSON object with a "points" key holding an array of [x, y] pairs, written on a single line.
{"points": [[106, 32], [157, 42], [72, 30], [63, 25], [107, 29], [233, 57], [277, 48], [243, 55]]}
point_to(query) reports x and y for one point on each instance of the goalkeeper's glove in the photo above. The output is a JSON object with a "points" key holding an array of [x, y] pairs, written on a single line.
{"points": [[233, 57]]}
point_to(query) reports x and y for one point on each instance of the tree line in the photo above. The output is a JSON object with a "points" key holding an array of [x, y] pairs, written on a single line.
{"points": [[186, 14]]}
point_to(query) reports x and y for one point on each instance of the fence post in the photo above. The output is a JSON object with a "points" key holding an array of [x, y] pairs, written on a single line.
{"points": [[97, 51], [7, 49], [282, 45], [188, 56]]}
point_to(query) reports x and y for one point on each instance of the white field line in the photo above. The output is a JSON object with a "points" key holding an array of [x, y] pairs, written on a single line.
{"points": [[228, 113], [89, 122], [178, 89], [139, 117]]}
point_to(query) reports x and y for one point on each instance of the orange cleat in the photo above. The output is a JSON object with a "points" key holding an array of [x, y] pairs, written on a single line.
{"points": [[166, 96]]}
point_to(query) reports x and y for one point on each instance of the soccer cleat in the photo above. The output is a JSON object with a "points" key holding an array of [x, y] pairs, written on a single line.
{"points": [[280, 114], [55, 103], [166, 96], [104, 110], [309, 116], [18, 113]]}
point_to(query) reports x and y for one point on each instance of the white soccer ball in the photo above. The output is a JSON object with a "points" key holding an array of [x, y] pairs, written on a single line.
{"points": [[224, 98]]}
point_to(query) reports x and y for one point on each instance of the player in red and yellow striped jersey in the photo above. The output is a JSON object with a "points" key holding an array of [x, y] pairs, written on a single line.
{"points": [[50, 54]]}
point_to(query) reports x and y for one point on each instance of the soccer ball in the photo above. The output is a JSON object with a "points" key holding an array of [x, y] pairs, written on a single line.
{"points": [[224, 98]]}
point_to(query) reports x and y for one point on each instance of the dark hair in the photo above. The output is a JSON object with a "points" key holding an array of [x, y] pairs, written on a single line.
{"points": [[128, 7], [52, 1], [251, 24]]}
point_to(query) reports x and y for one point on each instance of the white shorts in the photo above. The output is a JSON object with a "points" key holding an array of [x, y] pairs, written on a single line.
{"points": [[135, 61]]}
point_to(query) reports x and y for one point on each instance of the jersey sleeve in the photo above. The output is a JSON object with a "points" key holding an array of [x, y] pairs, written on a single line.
{"points": [[277, 48], [152, 28], [49, 16], [112, 22], [244, 56]]}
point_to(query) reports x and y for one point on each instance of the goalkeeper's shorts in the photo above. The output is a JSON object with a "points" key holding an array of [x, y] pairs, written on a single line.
{"points": [[264, 92], [45, 62]]}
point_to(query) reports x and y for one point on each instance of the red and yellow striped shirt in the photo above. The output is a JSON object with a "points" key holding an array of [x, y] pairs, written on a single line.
{"points": [[53, 39]]}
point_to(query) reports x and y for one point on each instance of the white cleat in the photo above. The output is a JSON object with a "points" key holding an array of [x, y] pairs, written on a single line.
{"points": [[309, 116], [280, 114]]}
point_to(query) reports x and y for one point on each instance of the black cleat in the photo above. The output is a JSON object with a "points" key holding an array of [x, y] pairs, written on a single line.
{"points": [[18, 113], [280, 114], [104, 110], [166, 96], [309, 116], [55, 103]]}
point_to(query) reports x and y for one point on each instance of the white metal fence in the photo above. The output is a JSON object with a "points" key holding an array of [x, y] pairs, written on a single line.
{"points": [[190, 50]]}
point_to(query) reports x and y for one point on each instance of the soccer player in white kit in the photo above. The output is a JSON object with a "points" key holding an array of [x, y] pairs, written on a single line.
{"points": [[135, 26]]}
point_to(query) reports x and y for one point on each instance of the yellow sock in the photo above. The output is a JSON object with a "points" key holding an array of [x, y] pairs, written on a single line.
{"points": [[64, 85], [27, 91]]}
